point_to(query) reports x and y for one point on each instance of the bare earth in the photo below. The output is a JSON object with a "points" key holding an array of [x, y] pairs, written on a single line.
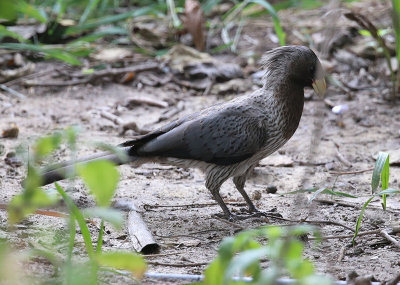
{"points": [[188, 235]]}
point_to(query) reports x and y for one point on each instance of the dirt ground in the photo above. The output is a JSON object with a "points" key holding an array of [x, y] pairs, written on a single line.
{"points": [[191, 234]]}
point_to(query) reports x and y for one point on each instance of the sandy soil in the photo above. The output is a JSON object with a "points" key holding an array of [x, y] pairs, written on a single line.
{"points": [[192, 234]]}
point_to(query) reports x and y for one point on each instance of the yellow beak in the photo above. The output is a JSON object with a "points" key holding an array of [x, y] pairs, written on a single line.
{"points": [[319, 86]]}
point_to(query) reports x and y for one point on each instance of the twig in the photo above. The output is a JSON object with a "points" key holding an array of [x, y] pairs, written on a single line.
{"points": [[96, 75], [351, 172], [192, 234], [346, 236], [342, 158], [29, 76], [149, 207], [351, 205], [164, 254], [146, 101], [228, 222], [12, 91], [178, 264], [116, 120], [306, 163], [59, 83], [327, 223], [120, 122], [389, 238], [341, 253]]}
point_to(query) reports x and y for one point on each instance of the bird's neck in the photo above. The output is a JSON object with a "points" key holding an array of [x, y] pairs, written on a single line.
{"points": [[289, 98]]}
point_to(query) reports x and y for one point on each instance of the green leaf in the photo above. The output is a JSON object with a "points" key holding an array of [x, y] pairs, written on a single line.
{"points": [[123, 260], [243, 261], [71, 133], [324, 191], [295, 250], [381, 162], [214, 274], [278, 29], [388, 192], [360, 217], [29, 10], [89, 9], [101, 177], [303, 269], [8, 11], [27, 203], [50, 52], [112, 216], [46, 145], [80, 219], [4, 32], [92, 24]]}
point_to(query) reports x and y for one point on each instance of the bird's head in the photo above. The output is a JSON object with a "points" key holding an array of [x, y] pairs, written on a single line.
{"points": [[298, 65]]}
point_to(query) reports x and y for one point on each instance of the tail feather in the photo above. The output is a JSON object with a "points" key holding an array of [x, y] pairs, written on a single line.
{"points": [[66, 169]]}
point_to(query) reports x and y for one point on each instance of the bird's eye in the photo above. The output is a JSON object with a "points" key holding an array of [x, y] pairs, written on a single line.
{"points": [[312, 69]]}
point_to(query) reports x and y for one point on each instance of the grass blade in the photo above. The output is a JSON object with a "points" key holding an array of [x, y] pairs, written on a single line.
{"points": [[30, 10], [360, 217], [278, 29], [89, 9], [50, 52], [80, 219], [4, 32], [175, 20], [325, 191], [381, 161], [100, 238], [92, 24]]}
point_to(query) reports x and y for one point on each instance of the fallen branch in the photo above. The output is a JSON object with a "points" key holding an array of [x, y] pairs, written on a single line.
{"points": [[140, 235], [389, 238], [96, 75], [374, 232], [125, 125], [177, 264], [12, 91], [341, 254], [351, 172], [145, 101], [342, 159], [149, 207], [356, 206]]}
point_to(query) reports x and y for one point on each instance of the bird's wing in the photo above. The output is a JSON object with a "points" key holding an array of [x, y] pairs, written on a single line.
{"points": [[223, 137]]}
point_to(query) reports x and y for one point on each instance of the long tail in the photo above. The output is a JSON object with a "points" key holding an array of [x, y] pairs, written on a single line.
{"points": [[63, 170]]}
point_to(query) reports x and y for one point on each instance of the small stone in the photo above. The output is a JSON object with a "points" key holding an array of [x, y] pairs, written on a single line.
{"points": [[256, 195], [272, 189], [11, 132]]}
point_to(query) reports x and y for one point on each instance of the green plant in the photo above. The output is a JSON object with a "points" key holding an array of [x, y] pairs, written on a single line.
{"points": [[101, 178], [380, 174], [244, 10], [54, 14], [241, 255], [396, 26]]}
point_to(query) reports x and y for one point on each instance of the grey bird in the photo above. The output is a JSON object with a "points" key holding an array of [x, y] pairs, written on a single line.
{"points": [[228, 139]]}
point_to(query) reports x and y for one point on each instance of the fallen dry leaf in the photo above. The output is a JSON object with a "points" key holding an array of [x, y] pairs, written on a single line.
{"points": [[193, 23], [11, 132]]}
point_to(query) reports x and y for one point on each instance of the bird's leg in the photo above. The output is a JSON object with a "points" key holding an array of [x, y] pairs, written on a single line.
{"points": [[239, 182], [214, 185]]}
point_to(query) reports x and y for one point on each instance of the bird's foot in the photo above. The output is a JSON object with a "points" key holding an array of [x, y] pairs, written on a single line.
{"points": [[229, 217], [254, 212]]}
